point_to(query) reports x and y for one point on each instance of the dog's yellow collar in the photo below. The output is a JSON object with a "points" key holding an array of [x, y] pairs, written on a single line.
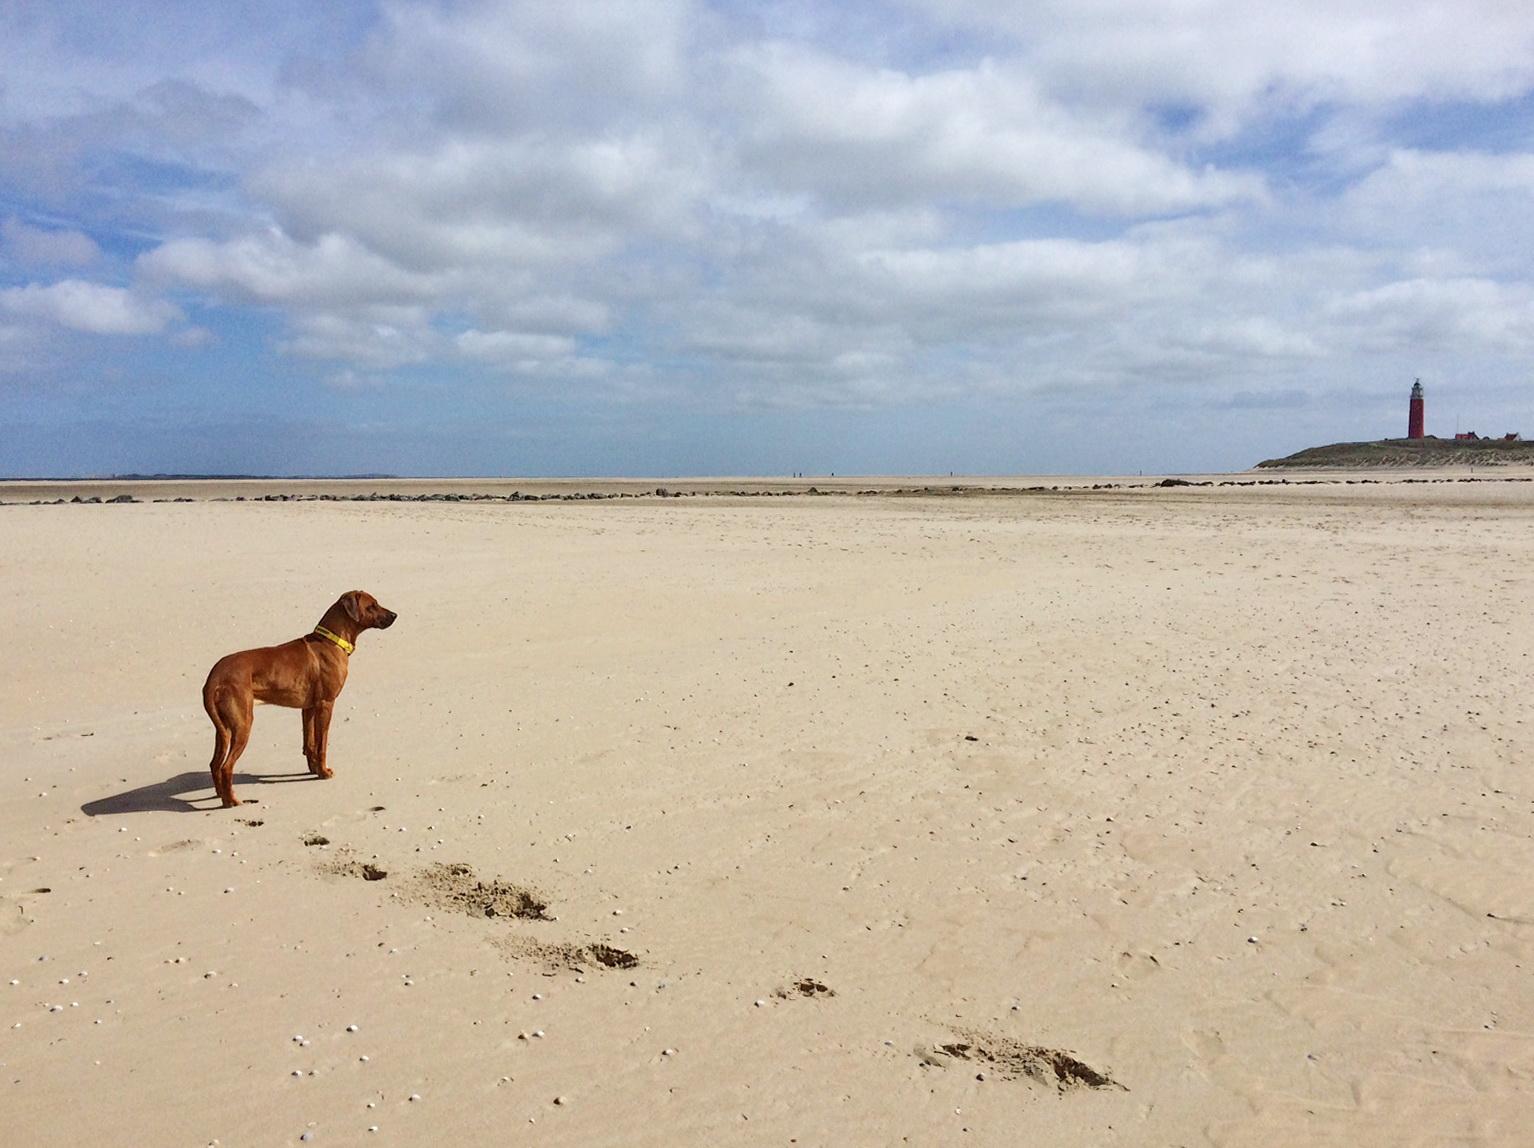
{"points": [[346, 646]]}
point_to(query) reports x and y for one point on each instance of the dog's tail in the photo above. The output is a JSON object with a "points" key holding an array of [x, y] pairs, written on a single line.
{"points": [[221, 737]]}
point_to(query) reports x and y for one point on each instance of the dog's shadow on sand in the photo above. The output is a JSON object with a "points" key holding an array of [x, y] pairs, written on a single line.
{"points": [[167, 796]]}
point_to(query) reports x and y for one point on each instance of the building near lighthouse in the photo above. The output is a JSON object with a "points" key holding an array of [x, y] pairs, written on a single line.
{"points": [[1415, 412]]}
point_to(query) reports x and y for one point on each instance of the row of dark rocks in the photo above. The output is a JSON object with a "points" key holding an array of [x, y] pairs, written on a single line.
{"points": [[592, 496], [663, 492]]}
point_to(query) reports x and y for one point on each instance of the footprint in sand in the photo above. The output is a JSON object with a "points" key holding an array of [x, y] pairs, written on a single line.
{"points": [[14, 910], [570, 956], [806, 987], [1207, 1046], [345, 866], [1009, 1059], [352, 817], [1133, 966], [457, 888], [176, 847]]}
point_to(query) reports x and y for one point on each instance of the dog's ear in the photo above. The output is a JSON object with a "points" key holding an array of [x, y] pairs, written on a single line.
{"points": [[349, 604]]}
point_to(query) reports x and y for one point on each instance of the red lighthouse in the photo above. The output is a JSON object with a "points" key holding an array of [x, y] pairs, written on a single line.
{"points": [[1414, 415]]}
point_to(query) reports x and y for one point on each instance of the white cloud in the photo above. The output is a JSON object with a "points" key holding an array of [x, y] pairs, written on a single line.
{"points": [[863, 136], [271, 267], [48, 247], [514, 347], [1444, 209], [507, 201], [376, 339], [1041, 279], [1467, 315], [766, 335], [90, 307], [1421, 178], [554, 358], [1235, 59], [1258, 337], [73, 58], [512, 67]]}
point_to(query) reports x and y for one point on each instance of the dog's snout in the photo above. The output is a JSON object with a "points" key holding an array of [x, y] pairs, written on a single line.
{"points": [[386, 619]]}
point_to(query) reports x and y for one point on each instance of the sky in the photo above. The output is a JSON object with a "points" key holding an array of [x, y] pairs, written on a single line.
{"points": [[683, 237]]}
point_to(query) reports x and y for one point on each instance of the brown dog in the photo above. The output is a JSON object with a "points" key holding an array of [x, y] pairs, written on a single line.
{"points": [[306, 673]]}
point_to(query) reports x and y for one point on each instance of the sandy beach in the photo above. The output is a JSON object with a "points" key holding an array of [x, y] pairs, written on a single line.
{"points": [[1138, 815]]}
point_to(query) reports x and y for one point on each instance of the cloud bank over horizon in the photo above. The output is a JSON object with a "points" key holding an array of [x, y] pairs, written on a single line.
{"points": [[673, 236]]}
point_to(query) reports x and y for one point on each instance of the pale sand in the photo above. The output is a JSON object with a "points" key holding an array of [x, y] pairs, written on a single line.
{"points": [[1226, 791]]}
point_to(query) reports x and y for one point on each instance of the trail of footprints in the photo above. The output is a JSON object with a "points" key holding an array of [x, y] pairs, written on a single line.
{"points": [[454, 887]]}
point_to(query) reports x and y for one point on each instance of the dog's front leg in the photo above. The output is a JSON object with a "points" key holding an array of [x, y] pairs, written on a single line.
{"points": [[316, 735], [309, 750]]}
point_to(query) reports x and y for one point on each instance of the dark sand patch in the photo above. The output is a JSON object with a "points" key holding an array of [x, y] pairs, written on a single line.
{"points": [[567, 955], [1011, 1059], [805, 987], [456, 887]]}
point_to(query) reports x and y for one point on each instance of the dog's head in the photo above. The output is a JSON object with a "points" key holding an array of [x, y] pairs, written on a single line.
{"points": [[362, 608]]}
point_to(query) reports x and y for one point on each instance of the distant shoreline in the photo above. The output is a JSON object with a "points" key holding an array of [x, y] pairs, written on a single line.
{"points": [[165, 489]]}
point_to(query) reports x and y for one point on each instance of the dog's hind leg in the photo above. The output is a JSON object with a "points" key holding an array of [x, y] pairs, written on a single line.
{"points": [[238, 740], [231, 725], [220, 753]]}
